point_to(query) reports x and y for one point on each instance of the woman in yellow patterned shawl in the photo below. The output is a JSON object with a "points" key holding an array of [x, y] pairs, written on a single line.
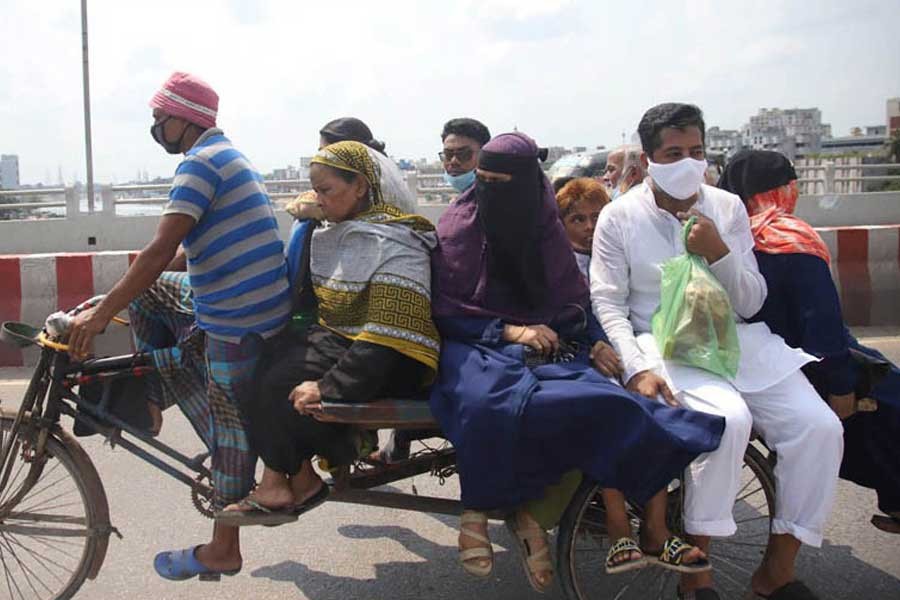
{"points": [[369, 271]]}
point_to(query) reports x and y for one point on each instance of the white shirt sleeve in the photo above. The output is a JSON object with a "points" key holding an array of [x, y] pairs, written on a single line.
{"points": [[738, 271], [609, 276]]}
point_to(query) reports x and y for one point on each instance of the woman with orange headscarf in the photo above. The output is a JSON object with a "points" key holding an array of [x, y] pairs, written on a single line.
{"points": [[803, 307]]}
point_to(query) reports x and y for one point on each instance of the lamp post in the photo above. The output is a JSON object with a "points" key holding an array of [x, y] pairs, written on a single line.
{"points": [[87, 108]]}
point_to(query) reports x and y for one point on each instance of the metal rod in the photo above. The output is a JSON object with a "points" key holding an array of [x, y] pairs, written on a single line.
{"points": [[403, 501], [96, 419], [87, 108]]}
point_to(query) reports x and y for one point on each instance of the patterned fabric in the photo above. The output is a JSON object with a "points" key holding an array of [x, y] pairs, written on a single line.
{"points": [[776, 230], [235, 256], [205, 377], [353, 157], [372, 279]]}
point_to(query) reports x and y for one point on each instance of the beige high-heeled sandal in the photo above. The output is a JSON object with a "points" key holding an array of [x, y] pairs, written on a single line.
{"points": [[473, 559]]}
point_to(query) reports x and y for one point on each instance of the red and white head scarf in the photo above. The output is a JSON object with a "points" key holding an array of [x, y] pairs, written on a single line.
{"points": [[767, 183], [775, 228]]}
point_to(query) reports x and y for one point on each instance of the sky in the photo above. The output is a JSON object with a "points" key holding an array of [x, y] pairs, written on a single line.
{"points": [[566, 72]]}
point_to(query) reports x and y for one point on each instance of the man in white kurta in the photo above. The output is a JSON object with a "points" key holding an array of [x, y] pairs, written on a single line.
{"points": [[634, 236]]}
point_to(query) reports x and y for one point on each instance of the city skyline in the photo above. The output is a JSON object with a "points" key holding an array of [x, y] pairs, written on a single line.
{"points": [[569, 73], [719, 140]]}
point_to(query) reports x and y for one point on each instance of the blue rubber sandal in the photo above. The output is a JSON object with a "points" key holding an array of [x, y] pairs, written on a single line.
{"points": [[181, 565]]}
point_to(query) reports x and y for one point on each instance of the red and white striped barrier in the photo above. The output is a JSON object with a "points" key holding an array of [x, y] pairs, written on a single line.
{"points": [[34, 285], [865, 267]]}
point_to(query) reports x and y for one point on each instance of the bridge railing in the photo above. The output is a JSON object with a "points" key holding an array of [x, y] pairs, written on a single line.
{"points": [[830, 177], [430, 189]]}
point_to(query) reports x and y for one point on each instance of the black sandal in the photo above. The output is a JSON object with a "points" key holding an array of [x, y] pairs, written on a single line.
{"points": [[625, 545], [886, 523], [671, 557], [254, 513]]}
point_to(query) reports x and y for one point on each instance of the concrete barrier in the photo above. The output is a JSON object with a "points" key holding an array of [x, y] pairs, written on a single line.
{"points": [[865, 268], [34, 285]]}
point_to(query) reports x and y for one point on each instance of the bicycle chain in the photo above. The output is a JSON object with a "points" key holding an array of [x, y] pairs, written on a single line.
{"points": [[203, 504]]}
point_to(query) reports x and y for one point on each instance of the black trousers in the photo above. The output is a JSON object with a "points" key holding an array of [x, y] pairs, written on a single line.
{"points": [[347, 371]]}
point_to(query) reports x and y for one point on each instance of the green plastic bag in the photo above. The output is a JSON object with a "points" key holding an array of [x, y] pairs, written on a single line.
{"points": [[694, 324]]}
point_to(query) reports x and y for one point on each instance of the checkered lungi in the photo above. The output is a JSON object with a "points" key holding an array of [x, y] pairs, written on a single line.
{"points": [[205, 377]]}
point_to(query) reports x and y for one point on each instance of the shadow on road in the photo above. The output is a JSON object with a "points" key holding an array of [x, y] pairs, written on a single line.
{"points": [[434, 573], [832, 571]]}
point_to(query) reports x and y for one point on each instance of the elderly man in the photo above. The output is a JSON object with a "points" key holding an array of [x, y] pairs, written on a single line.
{"points": [[462, 139], [233, 296], [634, 236], [623, 170]]}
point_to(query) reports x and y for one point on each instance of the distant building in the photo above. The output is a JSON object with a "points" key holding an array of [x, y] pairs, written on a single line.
{"points": [[723, 141], [9, 171], [893, 115], [794, 132], [303, 171], [289, 172], [859, 144]]}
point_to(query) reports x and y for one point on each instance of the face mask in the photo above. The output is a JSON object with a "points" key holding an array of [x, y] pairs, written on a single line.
{"points": [[614, 194], [462, 182], [681, 179], [159, 136]]}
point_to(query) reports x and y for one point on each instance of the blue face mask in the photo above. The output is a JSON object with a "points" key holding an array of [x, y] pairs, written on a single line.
{"points": [[462, 182], [615, 193]]}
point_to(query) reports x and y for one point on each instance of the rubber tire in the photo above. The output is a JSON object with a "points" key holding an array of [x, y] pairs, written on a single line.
{"points": [[761, 466], [81, 470]]}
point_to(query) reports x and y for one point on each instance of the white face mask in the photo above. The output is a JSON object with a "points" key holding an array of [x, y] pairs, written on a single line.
{"points": [[681, 179]]}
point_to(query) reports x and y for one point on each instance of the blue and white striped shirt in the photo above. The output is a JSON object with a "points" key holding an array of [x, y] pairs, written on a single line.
{"points": [[235, 257]]}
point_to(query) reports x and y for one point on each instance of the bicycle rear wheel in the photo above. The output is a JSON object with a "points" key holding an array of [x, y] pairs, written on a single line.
{"points": [[583, 542], [54, 519]]}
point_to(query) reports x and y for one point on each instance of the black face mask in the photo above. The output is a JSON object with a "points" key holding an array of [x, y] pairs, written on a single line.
{"points": [[508, 212], [159, 136]]}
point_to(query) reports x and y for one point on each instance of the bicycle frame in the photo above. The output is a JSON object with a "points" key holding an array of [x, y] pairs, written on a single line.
{"points": [[50, 395]]}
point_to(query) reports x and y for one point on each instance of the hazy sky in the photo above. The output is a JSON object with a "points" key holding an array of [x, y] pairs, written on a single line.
{"points": [[566, 72]]}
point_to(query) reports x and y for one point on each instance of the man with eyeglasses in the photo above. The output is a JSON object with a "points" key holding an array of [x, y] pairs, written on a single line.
{"points": [[462, 139]]}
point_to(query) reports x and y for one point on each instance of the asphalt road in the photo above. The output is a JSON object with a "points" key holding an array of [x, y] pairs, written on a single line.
{"points": [[342, 551]]}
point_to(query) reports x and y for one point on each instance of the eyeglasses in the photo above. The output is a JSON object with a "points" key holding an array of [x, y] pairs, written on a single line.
{"points": [[462, 154]]}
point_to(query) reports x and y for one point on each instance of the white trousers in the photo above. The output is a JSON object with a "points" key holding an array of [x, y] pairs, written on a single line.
{"points": [[796, 424]]}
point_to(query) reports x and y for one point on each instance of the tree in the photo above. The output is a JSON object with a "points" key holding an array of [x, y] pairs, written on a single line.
{"points": [[893, 147]]}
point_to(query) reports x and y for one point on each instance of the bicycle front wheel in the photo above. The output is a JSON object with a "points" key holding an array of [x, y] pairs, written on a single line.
{"points": [[54, 519]]}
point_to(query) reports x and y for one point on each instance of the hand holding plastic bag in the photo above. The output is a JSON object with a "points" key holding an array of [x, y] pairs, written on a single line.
{"points": [[694, 324]]}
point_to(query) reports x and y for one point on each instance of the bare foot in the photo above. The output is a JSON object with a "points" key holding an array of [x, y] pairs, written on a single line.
{"points": [[270, 498], [212, 558], [305, 484], [306, 490]]}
